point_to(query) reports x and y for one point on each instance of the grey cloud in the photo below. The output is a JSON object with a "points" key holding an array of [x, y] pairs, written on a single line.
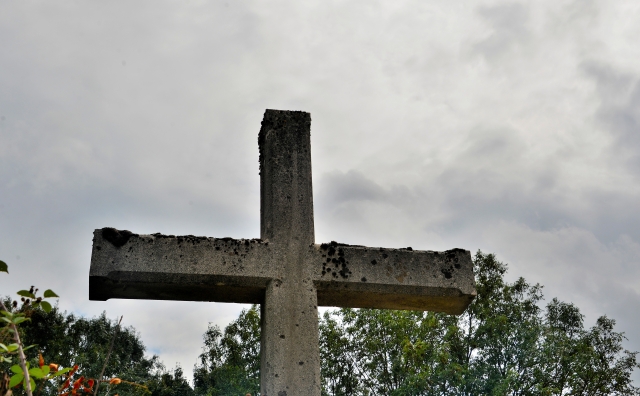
{"points": [[338, 187], [619, 109], [509, 23]]}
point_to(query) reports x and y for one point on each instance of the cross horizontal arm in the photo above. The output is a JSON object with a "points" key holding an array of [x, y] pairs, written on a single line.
{"points": [[364, 277], [161, 267]]}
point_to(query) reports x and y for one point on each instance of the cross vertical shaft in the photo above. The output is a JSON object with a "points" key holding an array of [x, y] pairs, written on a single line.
{"points": [[290, 362]]}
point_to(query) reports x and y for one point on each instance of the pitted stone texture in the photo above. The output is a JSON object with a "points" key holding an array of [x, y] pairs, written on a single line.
{"points": [[286, 196], [283, 271], [239, 270], [364, 277], [289, 312], [162, 267]]}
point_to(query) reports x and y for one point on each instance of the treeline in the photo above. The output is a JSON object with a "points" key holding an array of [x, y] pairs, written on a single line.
{"points": [[506, 343], [69, 340]]}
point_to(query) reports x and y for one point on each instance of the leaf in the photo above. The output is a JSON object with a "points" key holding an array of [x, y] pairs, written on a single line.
{"points": [[33, 384], [15, 380], [6, 313], [4, 267], [25, 293], [16, 369], [7, 320], [12, 347], [60, 372], [49, 293], [45, 369], [19, 319], [36, 373], [29, 347], [46, 307], [4, 347]]}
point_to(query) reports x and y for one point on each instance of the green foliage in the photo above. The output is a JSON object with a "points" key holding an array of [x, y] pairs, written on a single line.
{"points": [[76, 346], [67, 340], [11, 319], [230, 362], [70, 340], [165, 383]]}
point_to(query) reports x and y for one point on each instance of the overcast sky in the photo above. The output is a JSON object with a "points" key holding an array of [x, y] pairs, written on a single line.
{"points": [[510, 127]]}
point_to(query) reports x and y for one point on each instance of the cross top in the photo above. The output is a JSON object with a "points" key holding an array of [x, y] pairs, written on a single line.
{"points": [[284, 270]]}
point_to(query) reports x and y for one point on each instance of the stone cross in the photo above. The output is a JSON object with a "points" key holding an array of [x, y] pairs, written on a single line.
{"points": [[285, 270]]}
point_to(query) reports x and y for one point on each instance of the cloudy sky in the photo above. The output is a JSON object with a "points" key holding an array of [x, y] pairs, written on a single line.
{"points": [[510, 127]]}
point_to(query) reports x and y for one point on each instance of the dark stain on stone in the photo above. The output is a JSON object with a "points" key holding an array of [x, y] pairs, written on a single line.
{"points": [[451, 258], [282, 336], [363, 279], [374, 262], [301, 363], [384, 255], [117, 237], [448, 272], [282, 393]]}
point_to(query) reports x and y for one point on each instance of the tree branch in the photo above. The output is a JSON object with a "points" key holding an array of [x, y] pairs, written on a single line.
{"points": [[21, 355], [115, 333]]}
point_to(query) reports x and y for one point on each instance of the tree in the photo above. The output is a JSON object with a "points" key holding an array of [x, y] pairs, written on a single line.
{"points": [[71, 340], [230, 361], [165, 383]]}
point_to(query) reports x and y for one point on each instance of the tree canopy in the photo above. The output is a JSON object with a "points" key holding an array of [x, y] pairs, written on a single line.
{"points": [[69, 340]]}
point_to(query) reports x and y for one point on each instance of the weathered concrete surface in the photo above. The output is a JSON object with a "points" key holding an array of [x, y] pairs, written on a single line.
{"points": [[162, 267], [192, 268], [289, 346], [284, 271], [286, 194], [364, 277]]}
